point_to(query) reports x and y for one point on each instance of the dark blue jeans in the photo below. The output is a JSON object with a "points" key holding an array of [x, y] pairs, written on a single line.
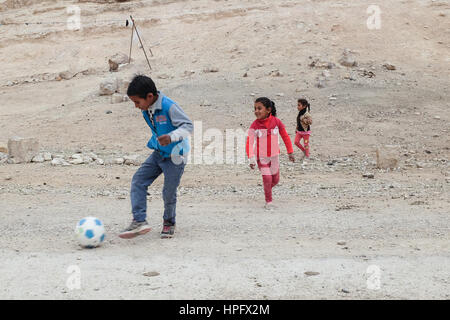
{"points": [[144, 177]]}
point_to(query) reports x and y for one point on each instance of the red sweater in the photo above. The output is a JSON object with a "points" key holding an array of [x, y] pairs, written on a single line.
{"points": [[267, 132]]}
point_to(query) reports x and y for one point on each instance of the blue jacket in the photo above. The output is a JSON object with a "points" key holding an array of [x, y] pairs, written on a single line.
{"points": [[168, 118]]}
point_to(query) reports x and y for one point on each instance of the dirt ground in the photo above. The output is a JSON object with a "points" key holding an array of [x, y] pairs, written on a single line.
{"points": [[341, 229]]}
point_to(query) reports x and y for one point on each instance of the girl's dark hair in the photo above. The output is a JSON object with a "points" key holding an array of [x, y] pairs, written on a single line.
{"points": [[141, 86], [305, 103], [269, 104]]}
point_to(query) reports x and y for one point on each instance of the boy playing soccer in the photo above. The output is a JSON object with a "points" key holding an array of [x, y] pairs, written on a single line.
{"points": [[170, 128]]}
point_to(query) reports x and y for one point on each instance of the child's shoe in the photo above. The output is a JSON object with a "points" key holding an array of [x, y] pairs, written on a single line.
{"points": [[168, 230], [135, 229], [269, 206]]}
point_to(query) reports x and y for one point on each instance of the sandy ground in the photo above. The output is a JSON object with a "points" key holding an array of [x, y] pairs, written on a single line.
{"points": [[329, 218]]}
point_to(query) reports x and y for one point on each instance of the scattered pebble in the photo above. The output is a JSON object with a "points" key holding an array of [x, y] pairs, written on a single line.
{"points": [[151, 274], [119, 160], [389, 66], [211, 70], [347, 59], [38, 159]]}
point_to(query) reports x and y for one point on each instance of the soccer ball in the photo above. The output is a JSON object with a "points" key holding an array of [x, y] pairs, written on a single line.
{"points": [[90, 232]]}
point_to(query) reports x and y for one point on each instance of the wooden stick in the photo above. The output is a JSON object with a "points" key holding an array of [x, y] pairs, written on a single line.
{"points": [[149, 48], [131, 44], [139, 37]]}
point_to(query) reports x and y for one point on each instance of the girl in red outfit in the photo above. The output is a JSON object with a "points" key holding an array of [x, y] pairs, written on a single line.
{"points": [[262, 145], [304, 122]]}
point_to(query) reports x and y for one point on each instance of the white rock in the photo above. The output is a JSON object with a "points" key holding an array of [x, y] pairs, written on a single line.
{"points": [[100, 161], [387, 157], [39, 158], [77, 156], [116, 60], [132, 160], [47, 156], [119, 160], [122, 86], [59, 162], [23, 149], [117, 98], [67, 75], [92, 155], [87, 159], [108, 86], [347, 59], [76, 161], [3, 157]]}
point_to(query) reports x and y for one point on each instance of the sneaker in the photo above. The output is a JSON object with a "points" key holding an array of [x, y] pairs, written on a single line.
{"points": [[269, 206], [168, 230], [135, 229]]}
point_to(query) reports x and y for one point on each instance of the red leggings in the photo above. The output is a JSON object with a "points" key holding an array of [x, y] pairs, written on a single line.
{"points": [[305, 136], [270, 170]]}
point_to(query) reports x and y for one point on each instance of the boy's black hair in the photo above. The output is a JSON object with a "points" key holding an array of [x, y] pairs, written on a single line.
{"points": [[141, 86], [268, 104], [305, 103]]}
